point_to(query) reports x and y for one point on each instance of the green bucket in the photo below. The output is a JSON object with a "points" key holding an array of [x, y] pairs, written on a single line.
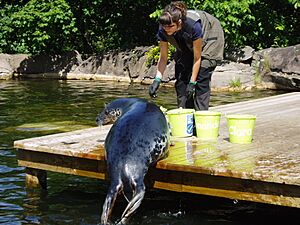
{"points": [[207, 124], [241, 127], [181, 122]]}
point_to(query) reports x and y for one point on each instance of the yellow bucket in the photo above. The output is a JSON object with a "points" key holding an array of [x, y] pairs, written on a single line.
{"points": [[241, 127], [181, 122], [207, 124]]}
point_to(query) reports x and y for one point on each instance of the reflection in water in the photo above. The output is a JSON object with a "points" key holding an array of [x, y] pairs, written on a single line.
{"points": [[241, 158], [206, 154], [181, 153], [39, 107]]}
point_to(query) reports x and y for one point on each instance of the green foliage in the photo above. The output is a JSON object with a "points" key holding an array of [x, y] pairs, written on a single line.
{"points": [[262, 68], [260, 24], [105, 25], [233, 15], [257, 23], [6, 27], [296, 3], [153, 55], [235, 83], [39, 26], [36, 26], [156, 14], [257, 78]]}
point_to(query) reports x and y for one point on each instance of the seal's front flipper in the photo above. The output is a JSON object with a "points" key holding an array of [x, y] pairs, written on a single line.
{"points": [[134, 203], [109, 203]]}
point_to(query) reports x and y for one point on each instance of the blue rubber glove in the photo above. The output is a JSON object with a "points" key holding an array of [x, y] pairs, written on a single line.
{"points": [[154, 87]]}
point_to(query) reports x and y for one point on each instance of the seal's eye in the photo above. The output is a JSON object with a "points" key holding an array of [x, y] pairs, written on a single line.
{"points": [[118, 112], [113, 113]]}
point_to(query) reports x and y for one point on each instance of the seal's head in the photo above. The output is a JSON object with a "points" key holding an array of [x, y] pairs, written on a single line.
{"points": [[116, 109], [108, 116]]}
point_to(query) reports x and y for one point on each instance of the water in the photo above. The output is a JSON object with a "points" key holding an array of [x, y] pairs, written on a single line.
{"points": [[38, 107]]}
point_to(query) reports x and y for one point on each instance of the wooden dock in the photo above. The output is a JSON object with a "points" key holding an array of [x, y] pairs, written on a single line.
{"points": [[266, 171]]}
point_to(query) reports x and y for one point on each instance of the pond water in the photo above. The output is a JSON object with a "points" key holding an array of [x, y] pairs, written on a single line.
{"points": [[33, 108]]}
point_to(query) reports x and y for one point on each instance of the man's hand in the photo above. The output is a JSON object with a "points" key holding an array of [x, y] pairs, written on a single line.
{"points": [[190, 89], [154, 87]]}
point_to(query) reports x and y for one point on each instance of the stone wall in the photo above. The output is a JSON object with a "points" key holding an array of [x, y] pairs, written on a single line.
{"points": [[274, 67]]}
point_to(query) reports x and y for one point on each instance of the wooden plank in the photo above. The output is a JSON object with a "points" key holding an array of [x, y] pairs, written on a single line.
{"points": [[275, 150], [32, 182], [85, 143], [63, 164], [233, 188], [285, 195], [240, 161]]}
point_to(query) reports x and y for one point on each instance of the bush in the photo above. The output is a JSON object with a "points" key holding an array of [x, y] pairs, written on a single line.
{"points": [[39, 26], [153, 55], [32, 26], [257, 23]]}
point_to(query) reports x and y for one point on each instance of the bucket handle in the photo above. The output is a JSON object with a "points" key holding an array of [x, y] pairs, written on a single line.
{"points": [[225, 114]]}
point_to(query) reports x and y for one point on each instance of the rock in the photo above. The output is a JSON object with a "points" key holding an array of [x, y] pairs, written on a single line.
{"points": [[9, 65], [41, 64], [286, 59], [169, 74], [283, 81], [228, 72], [240, 55], [280, 66], [6, 71], [16, 60], [130, 64]]}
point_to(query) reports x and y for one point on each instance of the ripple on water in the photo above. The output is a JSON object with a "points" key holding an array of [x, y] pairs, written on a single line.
{"points": [[5, 206], [8, 187], [10, 220], [11, 179], [7, 169], [6, 153]]}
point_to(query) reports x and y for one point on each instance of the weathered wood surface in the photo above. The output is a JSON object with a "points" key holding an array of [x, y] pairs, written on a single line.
{"points": [[274, 154], [267, 170]]}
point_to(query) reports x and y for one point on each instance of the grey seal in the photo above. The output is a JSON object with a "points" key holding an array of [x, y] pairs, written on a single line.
{"points": [[138, 138]]}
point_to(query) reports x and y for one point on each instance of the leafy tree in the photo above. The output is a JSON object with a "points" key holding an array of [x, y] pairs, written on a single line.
{"points": [[276, 24], [6, 27], [38, 26], [258, 23], [106, 24]]}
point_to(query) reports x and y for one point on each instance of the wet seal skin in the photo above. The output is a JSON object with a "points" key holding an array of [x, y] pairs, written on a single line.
{"points": [[138, 138]]}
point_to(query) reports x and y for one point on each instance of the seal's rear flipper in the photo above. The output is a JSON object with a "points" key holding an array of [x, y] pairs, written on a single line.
{"points": [[134, 203], [109, 203]]}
